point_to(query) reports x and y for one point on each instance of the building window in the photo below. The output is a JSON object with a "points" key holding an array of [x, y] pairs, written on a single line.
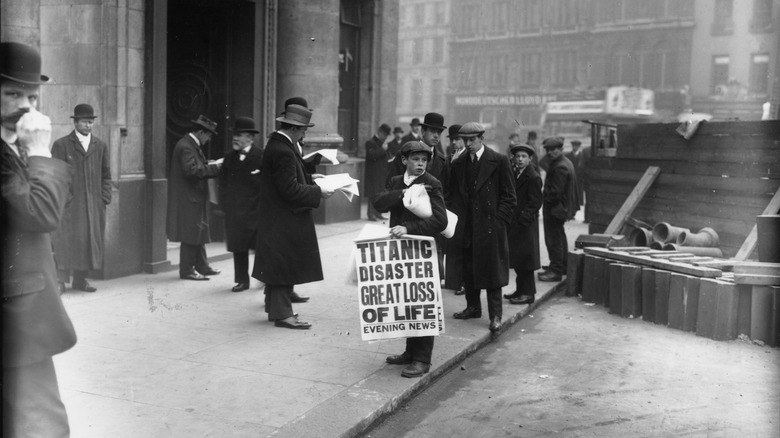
{"points": [[417, 51], [408, 51], [762, 16], [438, 50], [759, 73], [468, 73], [529, 15], [472, 19], [417, 90], [440, 13], [720, 73], [565, 68], [499, 18], [497, 71], [437, 96], [724, 23], [530, 69], [419, 14], [679, 8]]}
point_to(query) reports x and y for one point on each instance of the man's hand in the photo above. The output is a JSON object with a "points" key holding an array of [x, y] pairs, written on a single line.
{"points": [[398, 231], [327, 193], [317, 176], [34, 133]]}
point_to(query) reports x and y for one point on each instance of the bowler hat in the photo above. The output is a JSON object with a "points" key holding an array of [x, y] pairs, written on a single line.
{"points": [[415, 146], [206, 123], [552, 142], [244, 124], [83, 111], [522, 147], [296, 115], [452, 132], [434, 121], [384, 127], [471, 129], [21, 63], [296, 101], [398, 130], [415, 122]]}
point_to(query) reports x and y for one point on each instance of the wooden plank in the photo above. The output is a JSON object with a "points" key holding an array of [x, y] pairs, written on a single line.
{"points": [[682, 268], [648, 294], [633, 200], [631, 291], [757, 279], [750, 242], [757, 268]]}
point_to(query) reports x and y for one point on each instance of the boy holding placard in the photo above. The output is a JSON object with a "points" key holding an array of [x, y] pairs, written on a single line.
{"points": [[415, 156]]}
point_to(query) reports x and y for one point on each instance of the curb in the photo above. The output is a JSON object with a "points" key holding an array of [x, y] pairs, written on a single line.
{"points": [[390, 407]]}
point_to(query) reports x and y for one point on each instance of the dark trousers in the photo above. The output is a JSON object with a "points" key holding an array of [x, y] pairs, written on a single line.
{"points": [[192, 257], [241, 267], [31, 402], [277, 301], [557, 245], [472, 294], [525, 283], [372, 212], [63, 275], [420, 348]]}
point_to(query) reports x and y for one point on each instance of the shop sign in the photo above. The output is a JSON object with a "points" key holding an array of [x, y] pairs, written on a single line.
{"points": [[504, 100], [576, 107]]}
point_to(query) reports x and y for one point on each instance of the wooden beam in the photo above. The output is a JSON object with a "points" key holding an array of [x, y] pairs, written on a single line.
{"points": [[683, 268], [750, 242], [633, 200]]}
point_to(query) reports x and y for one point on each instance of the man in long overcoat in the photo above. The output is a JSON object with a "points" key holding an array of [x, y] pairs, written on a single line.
{"points": [[78, 244], [579, 158], [239, 197], [482, 194], [35, 190], [188, 198], [375, 171], [287, 252], [524, 230]]}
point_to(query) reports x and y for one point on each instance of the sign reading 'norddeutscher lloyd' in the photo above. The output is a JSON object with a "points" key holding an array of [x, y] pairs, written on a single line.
{"points": [[505, 100], [400, 292]]}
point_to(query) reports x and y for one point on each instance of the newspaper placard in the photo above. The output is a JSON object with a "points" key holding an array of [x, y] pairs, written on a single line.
{"points": [[399, 288]]}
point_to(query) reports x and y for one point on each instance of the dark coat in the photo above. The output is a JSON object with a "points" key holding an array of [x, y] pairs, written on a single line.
{"points": [[437, 167], [376, 167], [287, 248], [523, 232], [239, 197], [560, 190], [392, 200], [188, 193], [35, 323], [393, 147], [78, 244], [491, 212], [580, 162]]}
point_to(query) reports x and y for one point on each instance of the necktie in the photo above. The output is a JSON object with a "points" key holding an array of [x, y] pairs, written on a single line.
{"points": [[22, 152]]}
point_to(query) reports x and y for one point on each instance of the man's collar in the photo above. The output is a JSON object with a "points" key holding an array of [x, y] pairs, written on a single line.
{"points": [[286, 136], [7, 135], [480, 151], [83, 137], [194, 137], [409, 179]]}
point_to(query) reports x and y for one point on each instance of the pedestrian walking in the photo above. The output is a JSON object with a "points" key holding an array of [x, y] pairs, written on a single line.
{"points": [[481, 193], [287, 252], [78, 243], [375, 172], [188, 200], [402, 221], [239, 198], [35, 190], [523, 231]]}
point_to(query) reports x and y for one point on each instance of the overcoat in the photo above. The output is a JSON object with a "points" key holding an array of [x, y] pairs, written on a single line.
{"points": [[239, 197], [560, 190], [393, 148], [35, 323], [376, 167], [523, 232], [287, 251], [78, 243], [491, 207], [392, 200], [580, 162], [188, 193]]}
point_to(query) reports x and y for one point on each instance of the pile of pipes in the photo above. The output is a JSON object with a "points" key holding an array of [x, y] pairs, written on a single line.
{"points": [[667, 237]]}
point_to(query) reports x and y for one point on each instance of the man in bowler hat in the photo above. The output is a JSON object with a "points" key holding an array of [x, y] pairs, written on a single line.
{"points": [[35, 190], [188, 199], [414, 132], [78, 244], [239, 188]]}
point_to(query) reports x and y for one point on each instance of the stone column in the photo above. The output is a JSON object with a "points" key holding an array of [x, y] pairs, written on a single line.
{"points": [[307, 64]]}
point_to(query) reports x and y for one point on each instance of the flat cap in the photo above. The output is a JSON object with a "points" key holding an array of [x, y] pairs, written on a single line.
{"points": [[471, 129], [522, 147], [415, 146], [552, 142]]}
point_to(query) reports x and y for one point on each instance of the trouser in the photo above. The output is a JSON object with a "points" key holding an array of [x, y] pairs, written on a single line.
{"points": [[372, 211], [420, 348], [277, 301], [472, 294], [63, 275], [241, 266], [32, 406], [557, 245], [192, 257], [525, 283]]}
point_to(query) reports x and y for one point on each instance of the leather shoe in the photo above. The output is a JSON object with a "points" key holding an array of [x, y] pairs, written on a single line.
{"points": [[495, 324], [211, 271], [194, 276], [522, 299], [294, 314], [292, 323], [550, 276], [460, 291], [468, 313], [399, 359], [295, 298], [84, 286], [240, 287], [416, 369], [512, 295]]}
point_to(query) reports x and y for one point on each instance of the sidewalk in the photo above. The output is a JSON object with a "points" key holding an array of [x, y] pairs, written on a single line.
{"points": [[161, 357]]}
